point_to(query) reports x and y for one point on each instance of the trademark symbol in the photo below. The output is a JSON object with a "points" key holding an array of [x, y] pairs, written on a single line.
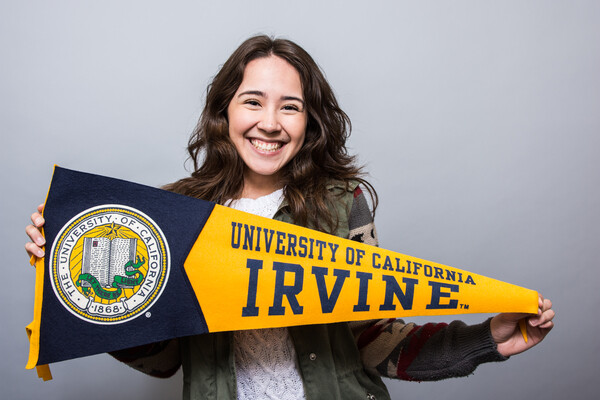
{"points": [[464, 306], [148, 314]]}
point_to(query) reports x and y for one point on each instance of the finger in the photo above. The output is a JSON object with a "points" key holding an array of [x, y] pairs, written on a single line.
{"points": [[548, 315], [37, 219], [34, 250], [547, 305], [513, 317], [40, 208], [548, 325], [540, 302], [35, 235], [541, 320]]}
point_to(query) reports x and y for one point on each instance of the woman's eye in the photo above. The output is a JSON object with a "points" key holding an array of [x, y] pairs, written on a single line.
{"points": [[291, 107], [253, 103]]}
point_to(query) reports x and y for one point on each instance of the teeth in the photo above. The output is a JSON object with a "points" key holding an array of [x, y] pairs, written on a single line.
{"points": [[264, 146]]}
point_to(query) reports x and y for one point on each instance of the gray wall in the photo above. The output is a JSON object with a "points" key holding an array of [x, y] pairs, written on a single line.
{"points": [[478, 121]]}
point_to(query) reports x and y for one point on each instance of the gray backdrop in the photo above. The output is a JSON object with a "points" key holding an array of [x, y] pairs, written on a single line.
{"points": [[478, 121]]}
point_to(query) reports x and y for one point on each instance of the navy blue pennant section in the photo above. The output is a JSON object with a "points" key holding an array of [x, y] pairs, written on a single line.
{"points": [[114, 274]]}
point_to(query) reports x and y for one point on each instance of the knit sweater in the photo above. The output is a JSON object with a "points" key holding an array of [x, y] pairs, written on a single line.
{"points": [[265, 359]]}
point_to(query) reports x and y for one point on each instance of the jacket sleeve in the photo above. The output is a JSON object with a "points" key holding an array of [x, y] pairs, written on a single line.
{"points": [[412, 352], [161, 359]]}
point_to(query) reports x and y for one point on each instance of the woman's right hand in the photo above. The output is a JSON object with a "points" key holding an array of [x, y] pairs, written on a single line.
{"points": [[34, 248]]}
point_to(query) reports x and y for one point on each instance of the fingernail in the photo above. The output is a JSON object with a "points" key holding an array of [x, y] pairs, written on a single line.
{"points": [[39, 221], [40, 241], [40, 253]]}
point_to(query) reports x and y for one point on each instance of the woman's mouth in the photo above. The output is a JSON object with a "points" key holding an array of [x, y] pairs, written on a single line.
{"points": [[266, 146]]}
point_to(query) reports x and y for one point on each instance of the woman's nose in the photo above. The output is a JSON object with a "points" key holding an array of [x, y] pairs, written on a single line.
{"points": [[269, 121]]}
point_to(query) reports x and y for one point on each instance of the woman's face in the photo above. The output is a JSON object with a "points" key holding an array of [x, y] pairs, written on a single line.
{"points": [[267, 120]]}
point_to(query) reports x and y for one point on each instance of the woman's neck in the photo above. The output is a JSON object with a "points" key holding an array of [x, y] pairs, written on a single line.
{"points": [[256, 185]]}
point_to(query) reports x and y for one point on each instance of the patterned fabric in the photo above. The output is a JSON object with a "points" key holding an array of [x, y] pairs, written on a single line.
{"points": [[408, 351], [265, 206], [265, 364], [360, 222]]}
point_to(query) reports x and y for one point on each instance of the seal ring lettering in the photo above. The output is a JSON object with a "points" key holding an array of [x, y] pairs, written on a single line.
{"points": [[109, 264]]}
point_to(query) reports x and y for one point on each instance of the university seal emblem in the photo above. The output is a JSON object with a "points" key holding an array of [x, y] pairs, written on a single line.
{"points": [[109, 264]]}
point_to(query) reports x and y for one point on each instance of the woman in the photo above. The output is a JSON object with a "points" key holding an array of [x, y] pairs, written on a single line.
{"points": [[271, 140]]}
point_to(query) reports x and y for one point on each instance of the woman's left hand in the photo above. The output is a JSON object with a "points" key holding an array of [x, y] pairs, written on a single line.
{"points": [[507, 334]]}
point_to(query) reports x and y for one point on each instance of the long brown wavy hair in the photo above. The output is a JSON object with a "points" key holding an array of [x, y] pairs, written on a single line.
{"points": [[218, 169]]}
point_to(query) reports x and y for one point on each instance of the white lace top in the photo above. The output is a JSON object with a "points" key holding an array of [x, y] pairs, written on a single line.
{"points": [[265, 359]]}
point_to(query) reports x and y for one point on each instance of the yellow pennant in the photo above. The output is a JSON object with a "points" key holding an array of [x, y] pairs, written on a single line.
{"points": [[128, 264], [250, 272]]}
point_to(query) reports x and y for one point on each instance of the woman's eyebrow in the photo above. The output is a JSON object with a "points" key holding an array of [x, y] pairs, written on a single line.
{"points": [[262, 94], [287, 98], [252, 92]]}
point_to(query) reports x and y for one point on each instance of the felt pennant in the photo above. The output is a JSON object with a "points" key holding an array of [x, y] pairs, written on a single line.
{"points": [[130, 264]]}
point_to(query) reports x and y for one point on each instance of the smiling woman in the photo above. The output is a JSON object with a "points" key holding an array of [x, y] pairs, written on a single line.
{"points": [[271, 140], [267, 123], [271, 121]]}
